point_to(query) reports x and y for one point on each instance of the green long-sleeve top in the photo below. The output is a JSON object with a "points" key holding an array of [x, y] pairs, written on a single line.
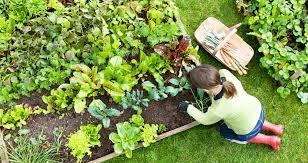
{"points": [[240, 113]]}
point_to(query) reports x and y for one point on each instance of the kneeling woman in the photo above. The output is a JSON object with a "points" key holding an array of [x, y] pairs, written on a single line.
{"points": [[243, 114]]}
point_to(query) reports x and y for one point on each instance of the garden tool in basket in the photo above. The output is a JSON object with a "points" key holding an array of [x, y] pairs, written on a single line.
{"points": [[224, 44]]}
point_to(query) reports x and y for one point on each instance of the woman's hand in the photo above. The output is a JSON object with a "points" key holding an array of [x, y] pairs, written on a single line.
{"points": [[183, 106]]}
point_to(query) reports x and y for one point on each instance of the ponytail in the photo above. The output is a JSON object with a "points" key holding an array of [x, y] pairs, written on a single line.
{"points": [[208, 77], [229, 89]]}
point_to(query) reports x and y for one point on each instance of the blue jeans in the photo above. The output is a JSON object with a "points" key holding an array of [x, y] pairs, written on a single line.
{"points": [[228, 133]]}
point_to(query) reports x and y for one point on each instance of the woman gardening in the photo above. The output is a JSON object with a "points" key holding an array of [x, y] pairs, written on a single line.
{"points": [[242, 114]]}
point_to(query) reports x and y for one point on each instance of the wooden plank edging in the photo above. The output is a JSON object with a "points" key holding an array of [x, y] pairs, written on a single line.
{"points": [[160, 137], [3, 151]]}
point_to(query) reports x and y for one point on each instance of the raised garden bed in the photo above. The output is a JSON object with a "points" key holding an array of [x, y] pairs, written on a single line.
{"points": [[164, 112], [89, 70]]}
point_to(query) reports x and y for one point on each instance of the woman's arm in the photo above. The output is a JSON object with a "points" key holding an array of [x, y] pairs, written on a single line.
{"points": [[203, 118]]}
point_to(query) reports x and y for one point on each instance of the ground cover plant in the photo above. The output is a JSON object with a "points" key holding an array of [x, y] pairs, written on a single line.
{"points": [[282, 29]]}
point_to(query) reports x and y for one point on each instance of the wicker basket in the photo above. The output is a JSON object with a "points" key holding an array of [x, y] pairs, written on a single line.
{"points": [[245, 52]]}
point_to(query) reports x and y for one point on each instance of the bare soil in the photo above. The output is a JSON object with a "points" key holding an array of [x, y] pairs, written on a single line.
{"points": [[158, 112]]}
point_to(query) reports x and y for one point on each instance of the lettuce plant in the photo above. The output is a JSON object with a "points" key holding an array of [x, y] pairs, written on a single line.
{"points": [[125, 139], [81, 142], [14, 117]]}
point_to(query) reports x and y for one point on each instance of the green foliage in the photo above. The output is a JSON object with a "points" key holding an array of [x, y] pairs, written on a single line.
{"points": [[14, 117], [178, 86], [134, 100], [137, 120], [100, 111], [149, 134], [81, 141], [65, 39], [153, 64], [36, 150], [282, 29], [155, 93], [125, 139], [129, 134], [118, 77], [161, 91], [202, 101], [161, 128], [58, 100]]}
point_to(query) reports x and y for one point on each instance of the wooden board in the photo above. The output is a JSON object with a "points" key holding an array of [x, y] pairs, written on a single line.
{"points": [[160, 137]]}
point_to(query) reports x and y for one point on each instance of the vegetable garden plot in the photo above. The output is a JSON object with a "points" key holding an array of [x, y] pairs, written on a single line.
{"points": [[114, 63], [282, 30]]}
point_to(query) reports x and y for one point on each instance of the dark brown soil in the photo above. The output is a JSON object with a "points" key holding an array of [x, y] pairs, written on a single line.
{"points": [[158, 112]]}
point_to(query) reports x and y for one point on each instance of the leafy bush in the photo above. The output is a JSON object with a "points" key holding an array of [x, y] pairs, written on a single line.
{"points": [[14, 117], [81, 141], [100, 111], [282, 29]]}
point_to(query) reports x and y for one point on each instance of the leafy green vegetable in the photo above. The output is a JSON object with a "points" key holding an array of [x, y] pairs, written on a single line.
{"points": [[100, 111], [161, 128], [134, 100], [81, 141], [137, 120], [125, 139], [149, 134], [181, 84], [14, 117]]}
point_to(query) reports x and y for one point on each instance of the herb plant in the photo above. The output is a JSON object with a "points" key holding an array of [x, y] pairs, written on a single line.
{"points": [[37, 150]]}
